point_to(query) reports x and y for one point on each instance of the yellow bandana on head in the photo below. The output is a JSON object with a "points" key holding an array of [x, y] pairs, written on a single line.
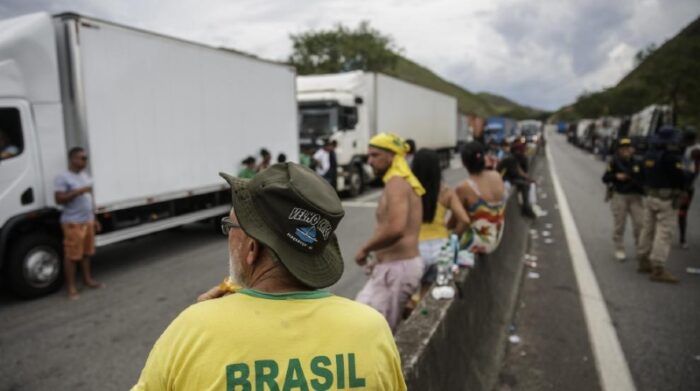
{"points": [[399, 166]]}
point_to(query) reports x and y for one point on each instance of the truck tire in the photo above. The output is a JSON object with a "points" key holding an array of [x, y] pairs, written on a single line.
{"points": [[35, 266], [355, 182]]}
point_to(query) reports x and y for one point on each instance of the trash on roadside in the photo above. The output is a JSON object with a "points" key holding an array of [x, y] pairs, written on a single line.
{"points": [[549, 240], [443, 292], [523, 353], [533, 275], [514, 339], [465, 258], [693, 270], [531, 264]]}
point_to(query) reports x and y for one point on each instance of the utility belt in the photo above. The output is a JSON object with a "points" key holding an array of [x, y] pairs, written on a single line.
{"points": [[674, 195], [664, 194]]}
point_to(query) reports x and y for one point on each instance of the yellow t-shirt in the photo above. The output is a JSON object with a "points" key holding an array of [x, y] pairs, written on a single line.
{"points": [[437, 229], [252, 341]]}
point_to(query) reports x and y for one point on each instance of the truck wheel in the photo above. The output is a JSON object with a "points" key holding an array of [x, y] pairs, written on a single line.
{"points": [[35, 265], [355, 185]]}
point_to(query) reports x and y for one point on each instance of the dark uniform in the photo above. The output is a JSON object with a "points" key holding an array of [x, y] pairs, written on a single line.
{"points": [[626, 196], [664, 180]]}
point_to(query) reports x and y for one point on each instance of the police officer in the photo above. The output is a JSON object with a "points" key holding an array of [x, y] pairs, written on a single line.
{"points": [[624, 180], [664, 180]]}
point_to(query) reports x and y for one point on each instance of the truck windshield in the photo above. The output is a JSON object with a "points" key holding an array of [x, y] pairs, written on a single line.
{"points": [[317, 121], [529, 130]]}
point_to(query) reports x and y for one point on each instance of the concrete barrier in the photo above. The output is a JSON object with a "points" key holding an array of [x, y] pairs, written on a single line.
{"points": [[458, 344]]}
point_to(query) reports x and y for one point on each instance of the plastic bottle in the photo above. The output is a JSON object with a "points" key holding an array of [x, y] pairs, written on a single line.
{"points": [[443, 266]]}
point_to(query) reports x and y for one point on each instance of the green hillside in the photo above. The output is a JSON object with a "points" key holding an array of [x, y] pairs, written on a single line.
{"points": [[507, 107], [670, 75], [482, 104]]}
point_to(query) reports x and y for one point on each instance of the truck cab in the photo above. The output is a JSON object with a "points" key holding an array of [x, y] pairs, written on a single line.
{"points": [[32, 147], [328, 111]]}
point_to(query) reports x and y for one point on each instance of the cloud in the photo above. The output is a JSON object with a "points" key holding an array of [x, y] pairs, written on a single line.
{"points": [[540, 53]]}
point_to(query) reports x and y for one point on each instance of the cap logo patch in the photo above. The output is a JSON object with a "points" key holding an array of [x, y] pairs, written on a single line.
{"points": [[307, 234], [314, 220]]}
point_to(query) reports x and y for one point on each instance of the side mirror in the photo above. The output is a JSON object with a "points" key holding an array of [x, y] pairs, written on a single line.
{"points": [[348, 118]]}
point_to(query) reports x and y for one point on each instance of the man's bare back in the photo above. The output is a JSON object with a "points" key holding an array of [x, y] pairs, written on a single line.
{"points": [[399, 216]]}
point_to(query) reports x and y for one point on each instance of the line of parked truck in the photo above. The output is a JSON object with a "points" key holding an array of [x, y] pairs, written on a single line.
{"points": [[159, 117], [599, 135]]}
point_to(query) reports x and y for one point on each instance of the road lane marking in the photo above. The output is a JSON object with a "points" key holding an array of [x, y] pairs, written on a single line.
{"points": [[360, 204], [612, 367]]}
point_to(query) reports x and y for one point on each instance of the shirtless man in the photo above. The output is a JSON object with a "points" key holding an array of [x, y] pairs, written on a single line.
{"points": [[397, 273]]}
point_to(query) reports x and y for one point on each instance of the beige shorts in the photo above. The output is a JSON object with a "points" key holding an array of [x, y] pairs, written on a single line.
{"points": [[78, 240]]}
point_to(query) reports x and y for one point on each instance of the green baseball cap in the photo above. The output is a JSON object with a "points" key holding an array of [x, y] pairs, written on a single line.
{"points": [[294, 212]]}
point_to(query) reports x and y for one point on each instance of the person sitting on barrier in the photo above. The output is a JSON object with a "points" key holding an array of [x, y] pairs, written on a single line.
{"points": [[515, 175], [483, 196], [437, 201], [276, 331]]}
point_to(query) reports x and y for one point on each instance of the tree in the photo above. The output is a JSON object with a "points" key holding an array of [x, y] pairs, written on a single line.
{"points": [[342, 49], [644, 53]]}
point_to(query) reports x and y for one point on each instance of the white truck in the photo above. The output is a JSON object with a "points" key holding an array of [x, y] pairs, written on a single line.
{"points": [[646, 122], [352, 107], [159, 118]]}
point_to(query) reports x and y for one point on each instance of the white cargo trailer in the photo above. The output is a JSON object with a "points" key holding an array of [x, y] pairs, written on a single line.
{"points": [[159, 118], [352, 107]]}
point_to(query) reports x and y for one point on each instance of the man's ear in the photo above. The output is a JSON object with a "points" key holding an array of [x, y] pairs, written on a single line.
{"points": [[254, 248]]}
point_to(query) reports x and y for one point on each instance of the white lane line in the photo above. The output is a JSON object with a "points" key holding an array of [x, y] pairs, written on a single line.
{"points": [[360, 204], [613, 371]]}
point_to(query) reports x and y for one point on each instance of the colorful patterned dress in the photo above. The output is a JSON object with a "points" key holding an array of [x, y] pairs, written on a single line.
{"points": [[486, 227]]}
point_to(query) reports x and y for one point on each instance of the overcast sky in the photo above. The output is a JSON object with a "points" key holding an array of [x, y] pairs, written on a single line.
{"points": [[541, 53]]}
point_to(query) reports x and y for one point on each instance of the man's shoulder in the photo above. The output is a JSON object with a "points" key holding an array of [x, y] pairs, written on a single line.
{"points": [[338, 311], [397, 184]]}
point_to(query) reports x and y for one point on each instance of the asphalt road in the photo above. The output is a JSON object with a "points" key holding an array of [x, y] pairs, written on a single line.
{"points": [[658, 325], [101, 341]]}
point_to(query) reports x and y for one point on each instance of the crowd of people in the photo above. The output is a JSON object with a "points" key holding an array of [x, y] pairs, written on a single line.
{"points": [[655, 190], [283, 250]]}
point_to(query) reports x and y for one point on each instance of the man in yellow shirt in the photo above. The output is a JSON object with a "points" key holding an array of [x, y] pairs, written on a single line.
{"points": [[277, 332]]}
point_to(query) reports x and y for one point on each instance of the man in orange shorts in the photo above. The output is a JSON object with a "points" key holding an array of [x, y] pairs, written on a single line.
{"points": [[73, 190]]}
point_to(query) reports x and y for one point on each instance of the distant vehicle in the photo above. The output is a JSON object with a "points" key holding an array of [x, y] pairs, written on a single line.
{"points": [[605, 133], [352, 107], [530, 129], [562, 126], [644, 124], [158, 116], [584, 134], [649, 120], [499, 129]]}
